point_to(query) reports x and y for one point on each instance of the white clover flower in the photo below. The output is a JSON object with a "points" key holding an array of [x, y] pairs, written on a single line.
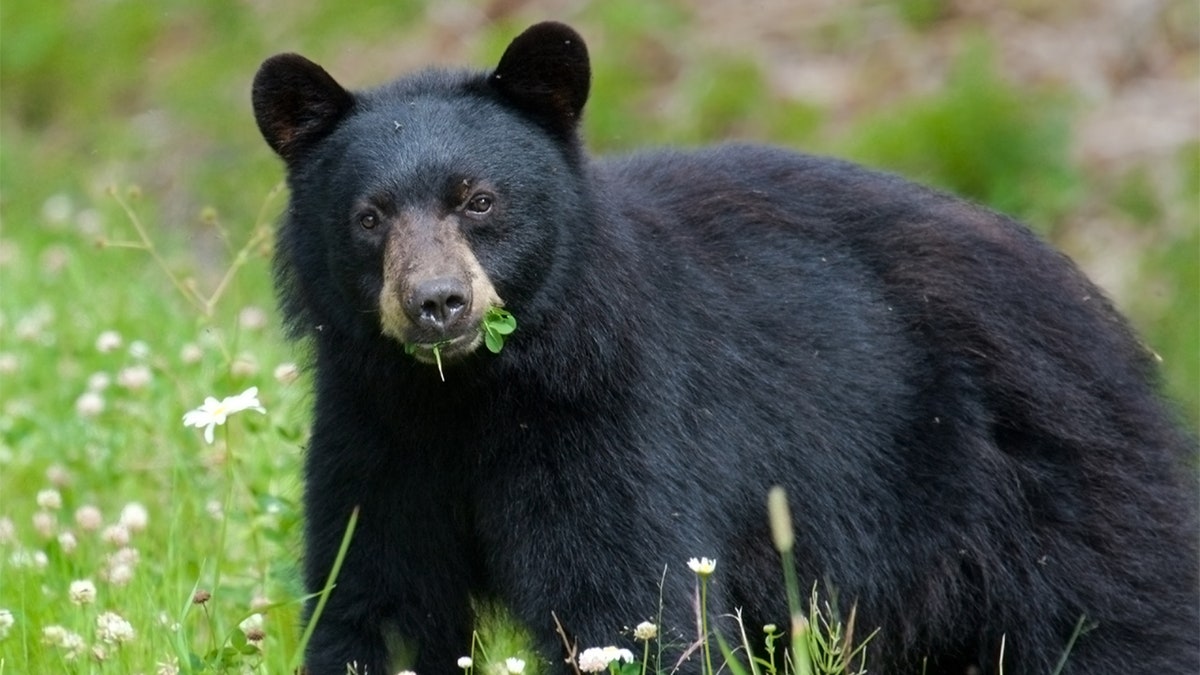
{"points": [[119, 575], [286, 373], [57, 209], [167, 667], [215, 412], [191, 353], [49, 499], [8, 531], [645, 631], [58, 475], [134, 378], [514, 666], [465, 662], [67, 542], [244, 365], [45, 523], [89, 404], [53, 635], [7, 621], [9, 363], [139, 350], [90, 222], [252, 622], [116, 535], [98, 381], [112, 629], [406, 672], [252, 318], [108, 341], [88, 518], [134, 517], [596, 659], [120, 566], [82, 592], [703, 566]]}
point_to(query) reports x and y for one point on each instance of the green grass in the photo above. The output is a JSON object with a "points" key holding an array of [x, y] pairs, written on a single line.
{"points": [[107, 96]]}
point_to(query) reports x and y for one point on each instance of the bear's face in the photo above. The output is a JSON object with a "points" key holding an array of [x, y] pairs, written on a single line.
{"points": [[422, 204]]}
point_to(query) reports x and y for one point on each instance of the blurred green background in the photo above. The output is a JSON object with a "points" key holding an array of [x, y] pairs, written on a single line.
{"points": [[1080, 117]]}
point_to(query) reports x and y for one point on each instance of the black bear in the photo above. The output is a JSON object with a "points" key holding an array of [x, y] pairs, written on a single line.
{"points": [[968, 431]]}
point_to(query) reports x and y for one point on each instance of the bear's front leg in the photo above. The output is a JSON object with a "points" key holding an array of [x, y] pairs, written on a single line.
{"points": [[401, 598]]}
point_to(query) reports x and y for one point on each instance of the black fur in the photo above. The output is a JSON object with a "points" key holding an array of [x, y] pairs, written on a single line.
{"points": [[968, 431]]}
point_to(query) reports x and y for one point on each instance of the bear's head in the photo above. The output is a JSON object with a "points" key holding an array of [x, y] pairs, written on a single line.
{"points": [[418, 206]]}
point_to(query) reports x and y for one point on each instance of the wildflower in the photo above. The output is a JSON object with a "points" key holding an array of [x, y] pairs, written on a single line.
{"points": [[201, 596], [45, 523], [117, 535], [99, 654], [6, 622], [139, 350], [58, 476], [191, 353], [406, 672], [89, 404], [8, 363], [26, 558], [49, 499], [8, 531], [770, 628], [167, 667], [514, 666], [118, 575], [98, 382], [251, 623], [57, 209], [244, 365], [112, 629], [286, 373], [215, 412], [645, 631], [108, 341], [134, 378], [702, 567], [255, 636], [90, 222], [134, 517], [88, 518], [596, 659], [67, 542], [53, 635], [465, 662], [252, 318], [82, 592]]}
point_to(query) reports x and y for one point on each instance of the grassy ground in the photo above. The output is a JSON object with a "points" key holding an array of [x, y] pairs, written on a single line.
{"points": [[119, 114]]}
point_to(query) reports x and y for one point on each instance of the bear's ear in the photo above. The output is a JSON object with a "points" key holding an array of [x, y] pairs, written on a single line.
{"points": [[545, 73], [296, 103]]}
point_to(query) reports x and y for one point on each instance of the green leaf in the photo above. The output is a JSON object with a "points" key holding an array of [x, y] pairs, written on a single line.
{"points": [[494, 342], [496, 324]]}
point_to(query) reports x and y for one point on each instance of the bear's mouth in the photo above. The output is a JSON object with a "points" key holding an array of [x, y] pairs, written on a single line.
{"points": [[444, 350]]}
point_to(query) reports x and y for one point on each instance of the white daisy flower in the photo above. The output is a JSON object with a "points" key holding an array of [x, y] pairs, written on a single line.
{"points": [[215, 412]]}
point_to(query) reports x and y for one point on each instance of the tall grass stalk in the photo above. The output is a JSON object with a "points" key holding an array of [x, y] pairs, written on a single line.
{"points": [[784, 538], [298, 656]]}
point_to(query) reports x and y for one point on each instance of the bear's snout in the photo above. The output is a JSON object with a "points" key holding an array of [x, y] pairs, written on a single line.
{"points": [[438, 305]]}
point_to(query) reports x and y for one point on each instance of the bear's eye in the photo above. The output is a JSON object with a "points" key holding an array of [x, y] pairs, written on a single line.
{"points": [[480, 203], [368, 221]]}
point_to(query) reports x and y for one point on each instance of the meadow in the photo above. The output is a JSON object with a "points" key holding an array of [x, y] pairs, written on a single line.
{"points": [[137, 203]]}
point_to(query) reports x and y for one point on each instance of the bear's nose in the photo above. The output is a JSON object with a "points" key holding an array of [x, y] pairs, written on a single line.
{"points": [[436, 304]]}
